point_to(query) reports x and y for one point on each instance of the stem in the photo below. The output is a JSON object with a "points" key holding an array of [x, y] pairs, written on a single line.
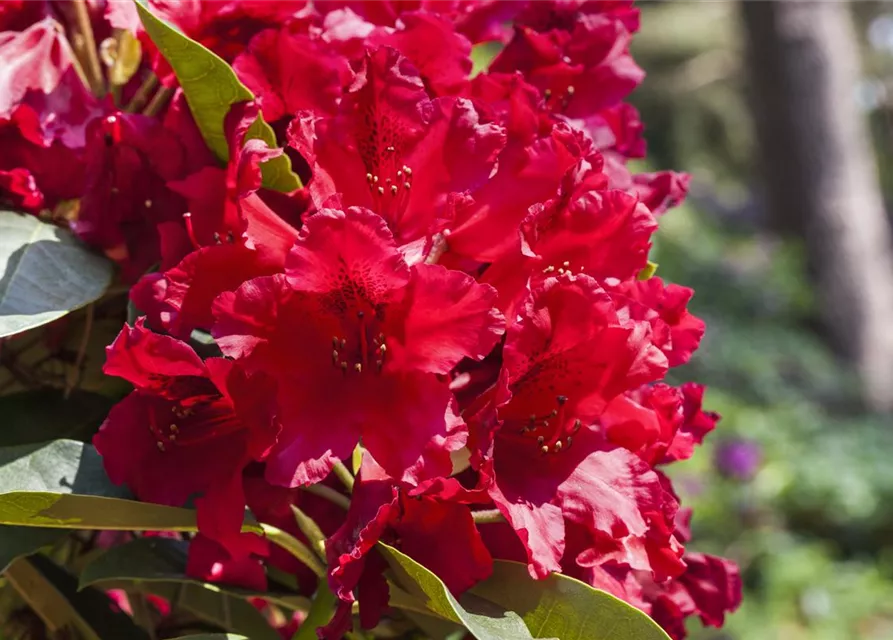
{"points": [[159, 101], [345, 476], [489, 516], [74, 377], [311, 531], [84, 29], [142, 615], [329, 494], [295, 547], [141, 97]]}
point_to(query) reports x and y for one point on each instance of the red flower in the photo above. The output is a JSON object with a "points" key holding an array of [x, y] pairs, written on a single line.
{"points": [[440, 535], [236, 236], [394, 151], [432, 45], [224, 27], [210, 561], [665, 307], [39, 69], [709, 588], [577, 55], [291, 72], [478, 20], [357, 339], [566, 358], [530, 170], [36, 173], [130, 158], [188, 428], [584, 229], [659, 423]]}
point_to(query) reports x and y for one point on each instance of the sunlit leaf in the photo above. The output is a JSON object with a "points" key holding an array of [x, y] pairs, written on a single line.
{"points": [[53, 594], [155, 559], [45, 273], [211, 88], [510, 604]]}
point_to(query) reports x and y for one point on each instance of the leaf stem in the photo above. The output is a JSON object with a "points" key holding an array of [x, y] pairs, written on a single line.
{"points": [[158, 101], [344, 475], [141, 97], [329, 494], [311, 531], [86, 43], [488, 516], [296, 548]]}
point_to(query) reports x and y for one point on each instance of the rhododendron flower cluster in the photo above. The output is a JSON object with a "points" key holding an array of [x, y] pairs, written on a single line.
{"points": [[460, 293]]}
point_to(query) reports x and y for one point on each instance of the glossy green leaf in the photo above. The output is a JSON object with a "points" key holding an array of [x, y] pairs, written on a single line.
{"points": [[52, 593], [510, 604], [154, 559], [320, 613], [45, 273], [217, 607], [58, 467], [72, 511], [211, 88], [483, 619], [158, 566], [565, 608]]}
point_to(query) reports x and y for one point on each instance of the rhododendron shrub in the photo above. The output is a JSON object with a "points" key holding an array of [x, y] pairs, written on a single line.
{"points": [[371, 396]]}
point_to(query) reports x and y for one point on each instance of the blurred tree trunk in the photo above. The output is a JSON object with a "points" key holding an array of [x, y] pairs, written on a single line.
{"points": [[820, 175]]}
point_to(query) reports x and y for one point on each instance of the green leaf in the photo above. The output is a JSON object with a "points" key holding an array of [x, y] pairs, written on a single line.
{"points": [[45, 273], [485, 620], [58, 467], [320, 612], [565, 608], [16, 542], [649, 270], [211, 88], [158, 566], [154, 559], [511, 605], [63, 485], [40, 415], [52, 593], [216, 607]]}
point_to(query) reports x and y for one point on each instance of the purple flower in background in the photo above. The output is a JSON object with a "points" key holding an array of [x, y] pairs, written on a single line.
{"points": [[738, 459]]}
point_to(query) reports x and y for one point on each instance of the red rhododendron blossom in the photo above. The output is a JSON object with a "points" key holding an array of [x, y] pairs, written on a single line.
{"points": [[209, 560], [460, 287], [710, 587], [566, 358], [291, 72], [130, 159], [39, 69], [440, 535], [478, 20], [224, 26], [604, 234], [582, 66], [392, 150], [236, 236], [357, 339], [36, 173], [659, 423], [530, 171], [189, 427], [665, 307]]}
